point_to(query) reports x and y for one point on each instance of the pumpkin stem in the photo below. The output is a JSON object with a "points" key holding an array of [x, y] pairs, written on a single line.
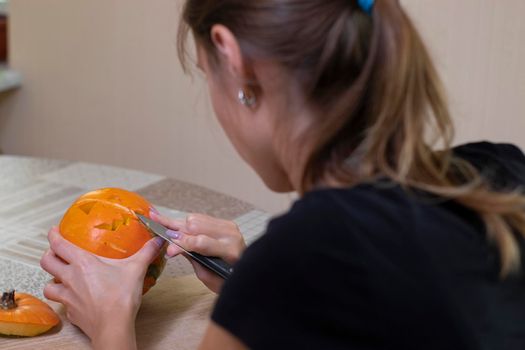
{"points": [[8, 300]]}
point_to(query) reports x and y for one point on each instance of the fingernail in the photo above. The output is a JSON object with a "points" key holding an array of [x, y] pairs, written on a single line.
{"points": [[173, 234], [153, 209], [158, 241]]}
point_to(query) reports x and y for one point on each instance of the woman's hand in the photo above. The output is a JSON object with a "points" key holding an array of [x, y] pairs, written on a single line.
{"points": [[207, 236], [101, 296]]}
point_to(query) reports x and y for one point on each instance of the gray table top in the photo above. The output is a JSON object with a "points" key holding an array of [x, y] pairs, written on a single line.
{"points": [[35, 193]]}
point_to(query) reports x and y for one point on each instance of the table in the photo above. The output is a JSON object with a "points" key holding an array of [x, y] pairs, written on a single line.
{"points": [[34, 194]]}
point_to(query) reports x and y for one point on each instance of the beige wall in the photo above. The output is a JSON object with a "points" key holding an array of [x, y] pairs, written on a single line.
{"points": [[103, 84], [479, 47]]}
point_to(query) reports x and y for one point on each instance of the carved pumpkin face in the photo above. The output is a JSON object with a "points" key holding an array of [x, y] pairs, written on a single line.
{"points": [[104, 222]]}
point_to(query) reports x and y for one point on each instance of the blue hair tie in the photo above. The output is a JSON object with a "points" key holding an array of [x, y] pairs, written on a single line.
{"points": [[366, 5]]}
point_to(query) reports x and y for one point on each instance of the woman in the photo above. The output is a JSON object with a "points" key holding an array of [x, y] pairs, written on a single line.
{"points": [[391, 245]]}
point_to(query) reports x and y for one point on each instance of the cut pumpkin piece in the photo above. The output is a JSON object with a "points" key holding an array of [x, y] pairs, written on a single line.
{"points": [[24, 315]]}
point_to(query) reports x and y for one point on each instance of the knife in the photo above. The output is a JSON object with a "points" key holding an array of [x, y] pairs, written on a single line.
{"points": [[217, 265]]}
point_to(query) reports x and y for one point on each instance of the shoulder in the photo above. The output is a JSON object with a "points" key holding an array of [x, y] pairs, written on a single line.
{"points": [[336, 228], [375, 207], [501, 163], [485, 148]]}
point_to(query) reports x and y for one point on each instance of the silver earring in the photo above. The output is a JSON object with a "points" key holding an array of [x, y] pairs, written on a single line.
{"points": [[246, 99]]}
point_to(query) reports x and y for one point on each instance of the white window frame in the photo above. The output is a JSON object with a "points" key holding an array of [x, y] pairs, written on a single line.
{"points": [[3, 7]]}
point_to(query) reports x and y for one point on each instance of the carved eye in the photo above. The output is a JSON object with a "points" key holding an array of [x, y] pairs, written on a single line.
{"points": [[86, 208]]}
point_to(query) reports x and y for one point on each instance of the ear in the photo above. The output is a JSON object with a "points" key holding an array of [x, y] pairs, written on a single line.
{"points": [[228, 48]]}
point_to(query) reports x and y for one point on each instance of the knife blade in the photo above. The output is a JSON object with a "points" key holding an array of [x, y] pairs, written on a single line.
{"points": [[217, 265]]}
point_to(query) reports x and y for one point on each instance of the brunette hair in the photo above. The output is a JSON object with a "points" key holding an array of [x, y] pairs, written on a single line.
{"points": [[383, 104]]}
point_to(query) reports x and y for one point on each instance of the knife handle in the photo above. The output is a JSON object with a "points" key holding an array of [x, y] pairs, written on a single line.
{"points": [[217, 265]]}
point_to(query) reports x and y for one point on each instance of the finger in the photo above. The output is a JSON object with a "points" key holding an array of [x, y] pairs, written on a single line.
{"points": [[172, 224], [54, 265], [55, 292], [210, 226], [149, 251], [173, 250], [207, 246], [154, 210], [62, 247], [208, 277]]}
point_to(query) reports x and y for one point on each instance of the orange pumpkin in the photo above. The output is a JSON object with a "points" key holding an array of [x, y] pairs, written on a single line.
{"points": [[24, 315], [104, 222]]}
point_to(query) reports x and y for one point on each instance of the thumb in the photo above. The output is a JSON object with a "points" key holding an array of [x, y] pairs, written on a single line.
{"points": [[149, 251]]}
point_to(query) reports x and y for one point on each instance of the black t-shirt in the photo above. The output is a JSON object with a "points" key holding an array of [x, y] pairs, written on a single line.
{"points": [[374, 267]]}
